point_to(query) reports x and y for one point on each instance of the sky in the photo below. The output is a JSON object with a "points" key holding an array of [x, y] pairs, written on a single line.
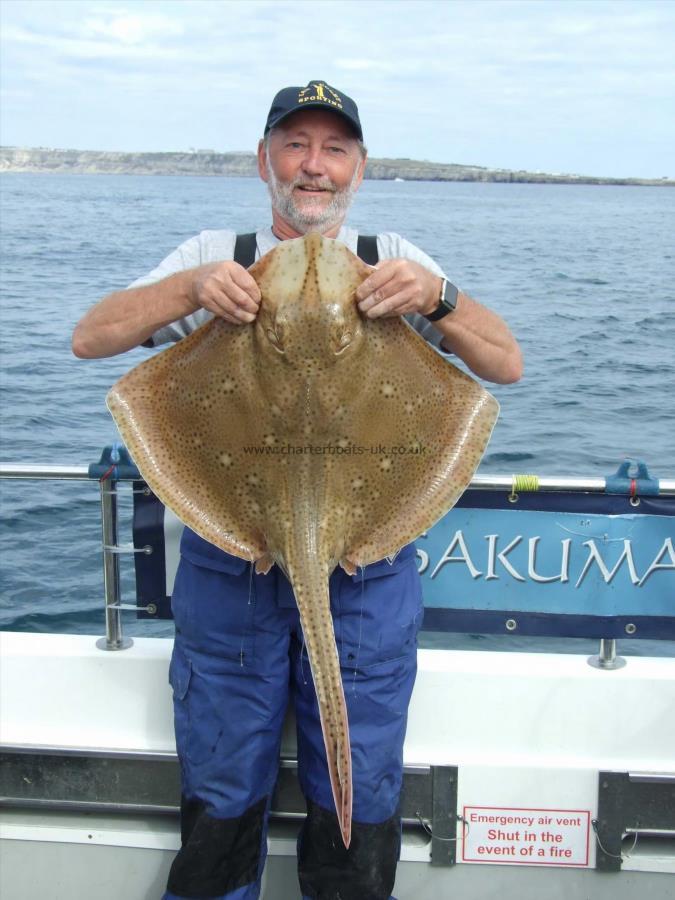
{"points": [[564, 86]]}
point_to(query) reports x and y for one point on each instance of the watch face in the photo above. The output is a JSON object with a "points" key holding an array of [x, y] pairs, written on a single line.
{"points": [[449, 296]]}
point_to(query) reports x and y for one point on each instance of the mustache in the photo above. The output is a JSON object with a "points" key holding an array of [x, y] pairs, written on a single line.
{"points": [[323, 184]]}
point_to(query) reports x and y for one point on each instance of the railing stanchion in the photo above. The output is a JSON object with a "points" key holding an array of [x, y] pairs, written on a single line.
{"points": [[114, 639], [607, 658]]}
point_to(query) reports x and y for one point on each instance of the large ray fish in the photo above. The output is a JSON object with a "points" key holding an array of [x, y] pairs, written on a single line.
{"points": [[312, 437]]}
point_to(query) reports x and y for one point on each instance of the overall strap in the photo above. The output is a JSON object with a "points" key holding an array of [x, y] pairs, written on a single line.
{"points": [[366, 249], [244, 249]]}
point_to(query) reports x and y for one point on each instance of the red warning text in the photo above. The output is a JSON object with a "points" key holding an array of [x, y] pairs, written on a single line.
{"points": [[544, 837]]}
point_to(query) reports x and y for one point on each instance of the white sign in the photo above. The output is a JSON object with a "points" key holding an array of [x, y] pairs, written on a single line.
{"points": [[545, 837]]}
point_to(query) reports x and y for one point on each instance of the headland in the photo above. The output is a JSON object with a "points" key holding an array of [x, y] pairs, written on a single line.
{"points": [[243, 165]]}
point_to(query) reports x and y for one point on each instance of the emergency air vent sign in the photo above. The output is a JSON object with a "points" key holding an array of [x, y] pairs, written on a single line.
{"points": [[545, 837]]}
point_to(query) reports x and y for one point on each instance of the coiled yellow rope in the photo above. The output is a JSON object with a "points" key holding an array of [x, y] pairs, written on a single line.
{"points": [[523, 483]]}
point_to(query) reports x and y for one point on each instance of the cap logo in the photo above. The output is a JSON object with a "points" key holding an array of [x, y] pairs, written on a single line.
{"points": [[317, 92]]}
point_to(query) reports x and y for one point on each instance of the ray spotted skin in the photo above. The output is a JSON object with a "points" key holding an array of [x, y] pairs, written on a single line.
{"points": [[312, 437]]}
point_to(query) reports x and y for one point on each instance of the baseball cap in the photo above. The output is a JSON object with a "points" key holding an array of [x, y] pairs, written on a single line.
{"points": [[317, 95]]}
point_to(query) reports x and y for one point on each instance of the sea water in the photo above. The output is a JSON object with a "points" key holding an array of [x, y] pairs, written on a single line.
{"points": [[584, 275]]}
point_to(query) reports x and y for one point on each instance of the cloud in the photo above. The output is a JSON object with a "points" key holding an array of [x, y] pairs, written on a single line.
{"points": [[62, 49], [467, 81], [132, 28], [364, 65]]}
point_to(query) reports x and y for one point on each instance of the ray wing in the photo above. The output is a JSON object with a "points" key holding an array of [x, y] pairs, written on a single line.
{"points": [[422, 426], [187, 416]]}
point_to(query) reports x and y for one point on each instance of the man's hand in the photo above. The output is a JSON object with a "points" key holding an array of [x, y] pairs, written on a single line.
{"points": [[227, 290], [397, 287], [125, 319], [474, 333]]}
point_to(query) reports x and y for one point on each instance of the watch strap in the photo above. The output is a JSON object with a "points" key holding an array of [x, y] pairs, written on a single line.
{"points": [[446, 303]]}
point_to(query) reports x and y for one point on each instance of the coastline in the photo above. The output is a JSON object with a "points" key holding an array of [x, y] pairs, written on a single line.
{"points": [[243, 165]]}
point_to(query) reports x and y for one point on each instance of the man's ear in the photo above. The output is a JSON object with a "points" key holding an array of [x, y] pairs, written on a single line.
{"points": [[361, 171], [262, 161]]}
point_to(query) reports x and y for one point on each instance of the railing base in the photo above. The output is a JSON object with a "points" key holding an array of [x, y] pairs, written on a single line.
{"points": [[607, 658], [105, 644]]}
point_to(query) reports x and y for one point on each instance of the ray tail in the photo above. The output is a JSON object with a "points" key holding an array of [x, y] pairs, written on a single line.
{"points": [[310, 585]]}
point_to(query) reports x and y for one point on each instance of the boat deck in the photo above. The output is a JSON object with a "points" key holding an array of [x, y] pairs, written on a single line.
{"points": [[488, 732]]}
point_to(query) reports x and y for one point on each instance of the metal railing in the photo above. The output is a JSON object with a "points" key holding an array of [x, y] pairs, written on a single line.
{"points": [[114, 638], [478, 482], [111, 549]]}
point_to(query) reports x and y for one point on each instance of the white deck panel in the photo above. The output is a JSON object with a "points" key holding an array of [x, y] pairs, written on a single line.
{"points": [[526, 731], [468, 708]]}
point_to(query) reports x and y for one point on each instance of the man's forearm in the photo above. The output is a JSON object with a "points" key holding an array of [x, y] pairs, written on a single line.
{"points": [[396, 287], [124, 319], [483, 340]]}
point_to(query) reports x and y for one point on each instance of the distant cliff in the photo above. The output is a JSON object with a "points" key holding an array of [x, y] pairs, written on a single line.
{"points": [[95, 162], [206, 162]]}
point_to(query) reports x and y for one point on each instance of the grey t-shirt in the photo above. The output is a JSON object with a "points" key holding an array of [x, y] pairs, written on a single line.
{"points": [[214, 246]]}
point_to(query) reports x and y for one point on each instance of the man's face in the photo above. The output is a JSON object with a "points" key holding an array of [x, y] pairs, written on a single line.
{"points": [[312, 165]]}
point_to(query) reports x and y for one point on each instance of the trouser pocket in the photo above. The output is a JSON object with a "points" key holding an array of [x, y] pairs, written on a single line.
{"points": [[215, 611]]}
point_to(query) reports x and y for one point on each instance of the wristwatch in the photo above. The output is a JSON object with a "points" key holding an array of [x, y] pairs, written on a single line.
{"points": [[446, 302]]}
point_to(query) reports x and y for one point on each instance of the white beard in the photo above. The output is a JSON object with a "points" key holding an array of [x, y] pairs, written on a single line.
{"points": [[313, 216]]}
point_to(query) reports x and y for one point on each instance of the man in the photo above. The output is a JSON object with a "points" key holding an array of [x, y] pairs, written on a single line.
{"points": [[238, 640]]}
